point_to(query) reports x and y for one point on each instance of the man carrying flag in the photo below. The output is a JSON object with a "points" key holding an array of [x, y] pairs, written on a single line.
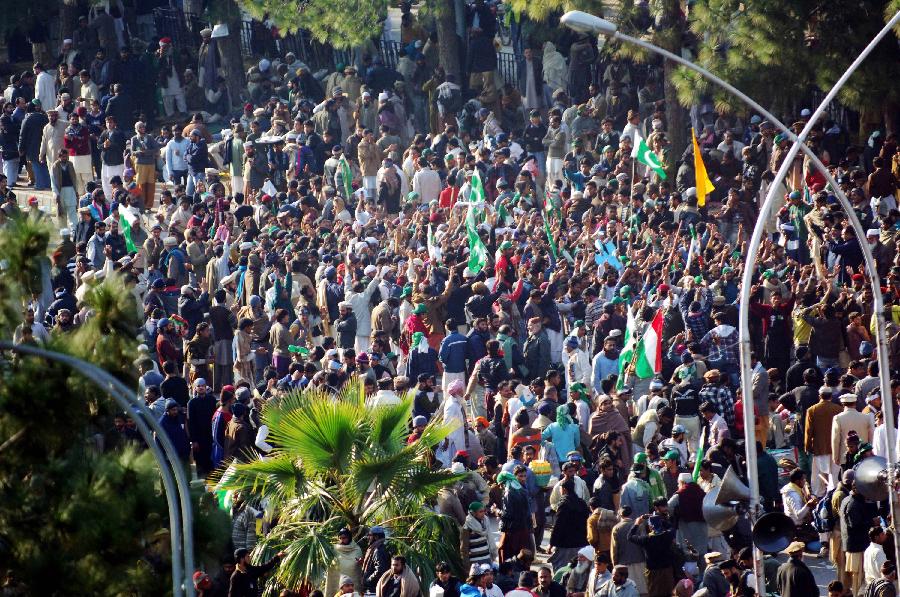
{"points": [[478, 253], [703, 184], [645, 155], [641, 357]]}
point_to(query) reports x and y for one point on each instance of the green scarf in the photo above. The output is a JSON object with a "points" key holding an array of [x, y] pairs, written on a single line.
{"points": [[509, 480]]}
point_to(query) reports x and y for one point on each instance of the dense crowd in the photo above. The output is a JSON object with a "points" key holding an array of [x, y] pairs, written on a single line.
{"points": [[532, 261]]}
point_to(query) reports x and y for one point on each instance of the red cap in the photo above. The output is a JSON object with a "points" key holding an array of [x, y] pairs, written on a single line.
{"points": [[165, 40], [858, 278], [202, 580], [32, 200], [248, 106], [663, 287], [265, 198]]}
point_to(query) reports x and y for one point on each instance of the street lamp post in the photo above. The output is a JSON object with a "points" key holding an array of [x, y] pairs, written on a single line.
{"points": [[586, 23], [174, 478]]}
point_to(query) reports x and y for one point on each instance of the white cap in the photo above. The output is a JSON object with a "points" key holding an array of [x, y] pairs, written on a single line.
{"points": [[370, 270], [383, 96], [64, 232], [685, 478], [873, 232], [805, 112], [847, 399], [245, 246]]}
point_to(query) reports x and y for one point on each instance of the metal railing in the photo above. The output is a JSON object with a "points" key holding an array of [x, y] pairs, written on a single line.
{"points": [[259, 40]]}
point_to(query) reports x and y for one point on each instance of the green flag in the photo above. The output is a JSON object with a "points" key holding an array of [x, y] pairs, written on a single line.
{"points": [[550, 235], [476, 195], [347, 177], [503, 214], [628, 350], [477, 251], [644, 155], [125, 225]]}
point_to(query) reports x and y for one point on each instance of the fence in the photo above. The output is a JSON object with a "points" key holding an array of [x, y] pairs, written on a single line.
{"points": [[259, 40]]}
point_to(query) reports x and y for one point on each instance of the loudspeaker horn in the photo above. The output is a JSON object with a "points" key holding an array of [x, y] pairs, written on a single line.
{"points": [[872, 478], [721, 518], [773, 532], [732, 489]]}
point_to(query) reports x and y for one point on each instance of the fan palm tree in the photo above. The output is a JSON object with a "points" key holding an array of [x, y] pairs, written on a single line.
{"points": [[339, 463]]}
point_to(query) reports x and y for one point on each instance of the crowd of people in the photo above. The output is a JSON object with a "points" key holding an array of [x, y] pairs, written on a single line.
{"points": [[507, 254]]}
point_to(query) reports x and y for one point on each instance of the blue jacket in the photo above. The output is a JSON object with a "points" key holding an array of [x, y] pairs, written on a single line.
{"points": [[421, 362], [477, 345], [454, 352], [177, 434]]}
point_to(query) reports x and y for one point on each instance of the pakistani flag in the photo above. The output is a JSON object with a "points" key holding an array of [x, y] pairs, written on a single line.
{"points": [[476, 193], [644, 155], [550, 236], [347, 178], [645, 353], [434, 251], [126, 219], [477, 251], [693, 250]]}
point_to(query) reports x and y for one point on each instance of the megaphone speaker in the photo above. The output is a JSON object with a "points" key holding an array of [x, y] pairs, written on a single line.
{"points": [[773, 532]]}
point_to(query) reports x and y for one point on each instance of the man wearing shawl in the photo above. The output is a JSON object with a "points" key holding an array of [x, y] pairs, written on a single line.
{"points": [[516, 519], [608, 418]]}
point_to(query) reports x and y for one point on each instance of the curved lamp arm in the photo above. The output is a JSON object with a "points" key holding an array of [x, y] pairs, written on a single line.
{"points": [[584, 22], [175, 485]]}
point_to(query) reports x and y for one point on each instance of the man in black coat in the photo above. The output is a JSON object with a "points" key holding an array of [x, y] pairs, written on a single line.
{"points": [[245, 579], [794, 577], [200, 410], [376, 560], [121, 108], [30, 135]]}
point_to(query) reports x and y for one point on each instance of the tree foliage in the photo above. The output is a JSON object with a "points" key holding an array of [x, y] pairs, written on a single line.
{"points": [[73, 519], [340, 464], [778, 52], [339, 23]]}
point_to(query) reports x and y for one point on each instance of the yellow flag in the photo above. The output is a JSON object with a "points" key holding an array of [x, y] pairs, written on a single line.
{"points": [[703, 184]]}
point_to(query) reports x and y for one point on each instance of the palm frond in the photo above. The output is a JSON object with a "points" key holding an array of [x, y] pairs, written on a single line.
{"points": [[309, 551], [323, 435], [276, 478], [426, 538], [390, 426]]}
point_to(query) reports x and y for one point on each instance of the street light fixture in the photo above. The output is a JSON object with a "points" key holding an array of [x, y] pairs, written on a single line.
{"points": [[583, 22]]}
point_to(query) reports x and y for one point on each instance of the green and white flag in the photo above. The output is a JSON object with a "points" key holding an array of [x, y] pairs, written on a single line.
{"points": [[347, 179], [550, 236], [125, 222], [628, 349], [645, 353], [693, 250], [434, 251], [476, 193], [645, 155], [478, 254]]}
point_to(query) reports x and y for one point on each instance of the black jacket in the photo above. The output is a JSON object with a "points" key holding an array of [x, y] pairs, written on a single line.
{"points": [[516, 513], [570, 529], [657, 548], [376, 562], [246, 584], [796, 580], [856, 518], [31, 133], [192, 310]]}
